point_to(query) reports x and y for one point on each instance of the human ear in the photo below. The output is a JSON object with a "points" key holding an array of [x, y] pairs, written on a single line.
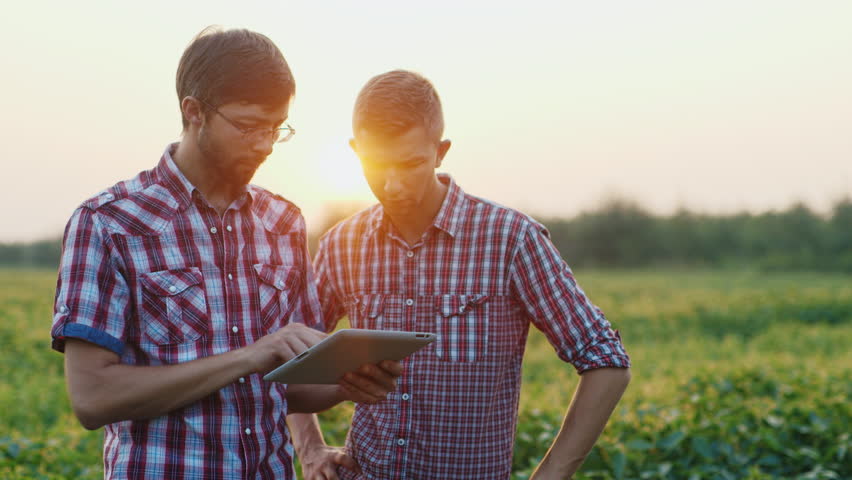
{"points": [[443, 147], [192, 111]]}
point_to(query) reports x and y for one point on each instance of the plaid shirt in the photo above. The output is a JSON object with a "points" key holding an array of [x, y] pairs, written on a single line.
{"points": [[153, 273], [478, 276]]}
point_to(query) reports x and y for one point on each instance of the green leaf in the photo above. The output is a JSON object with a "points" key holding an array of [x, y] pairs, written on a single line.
{"points": [[703, 447], [671, 440], [619, 462], [639, 444]]}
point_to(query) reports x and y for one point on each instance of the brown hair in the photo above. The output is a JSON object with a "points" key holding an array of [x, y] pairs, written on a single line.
{"points": [[397, 101], [221, 66]]}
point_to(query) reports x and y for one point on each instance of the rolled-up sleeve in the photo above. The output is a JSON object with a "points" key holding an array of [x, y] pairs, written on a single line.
{"points": [[92, 297], [547, 290]]}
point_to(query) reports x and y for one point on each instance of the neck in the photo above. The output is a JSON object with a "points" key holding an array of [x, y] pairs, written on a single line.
{"points": [[217, 191], [412, 227]]}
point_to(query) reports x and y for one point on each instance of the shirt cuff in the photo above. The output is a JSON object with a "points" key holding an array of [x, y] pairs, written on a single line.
{"points": [[89, 334]]}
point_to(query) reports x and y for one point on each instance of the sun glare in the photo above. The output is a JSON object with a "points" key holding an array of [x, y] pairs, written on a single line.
{"points": [[340, 173]]}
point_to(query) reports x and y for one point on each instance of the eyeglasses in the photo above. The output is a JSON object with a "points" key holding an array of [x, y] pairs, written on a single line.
{"points": [[253, 135]]}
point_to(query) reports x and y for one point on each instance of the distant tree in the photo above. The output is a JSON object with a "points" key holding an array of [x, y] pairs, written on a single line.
{"points": [[42, 253]]}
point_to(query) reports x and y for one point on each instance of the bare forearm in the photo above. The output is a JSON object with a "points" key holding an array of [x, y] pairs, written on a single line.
{"points": [[103, 390], [313, 398], [305, 432], [594, 400], [112, 392]]}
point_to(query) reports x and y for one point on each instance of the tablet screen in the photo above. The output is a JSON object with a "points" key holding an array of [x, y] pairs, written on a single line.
{"points": [[346, 350]]}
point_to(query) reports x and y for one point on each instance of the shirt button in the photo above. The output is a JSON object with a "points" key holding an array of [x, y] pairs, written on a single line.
{"points": [[109, 196], [248, 431], [229, 228], [409, 254], [242, 380], [461, 309], [280, 284], [63, 309], [400, 442], [409, 302], [235, 329], [213, 230], [173, 289], [405, 396], [230, 277]]}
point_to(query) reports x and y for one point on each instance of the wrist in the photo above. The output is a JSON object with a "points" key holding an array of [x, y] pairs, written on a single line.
{"points": [[244, 362]]}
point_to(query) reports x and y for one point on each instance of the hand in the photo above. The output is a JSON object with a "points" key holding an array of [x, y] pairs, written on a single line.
{"points": [[371, 383], [321, 462], [282, 345]]}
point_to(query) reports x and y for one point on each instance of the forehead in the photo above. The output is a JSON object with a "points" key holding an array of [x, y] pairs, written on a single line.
{"points": [[256, 111], [399, 147]]}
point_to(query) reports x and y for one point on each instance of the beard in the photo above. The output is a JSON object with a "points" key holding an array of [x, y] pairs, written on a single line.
{"points": [[228, 170]]}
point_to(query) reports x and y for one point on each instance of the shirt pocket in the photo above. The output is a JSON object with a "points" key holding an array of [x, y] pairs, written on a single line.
{"points": [[278, 289], [173, 307], [366, 311], [374, 433], [462, 327]]}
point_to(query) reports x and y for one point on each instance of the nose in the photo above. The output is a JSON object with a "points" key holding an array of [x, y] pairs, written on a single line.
{"points": [[262, 145], [393, 183]]}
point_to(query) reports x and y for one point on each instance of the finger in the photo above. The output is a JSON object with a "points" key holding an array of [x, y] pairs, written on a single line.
{"points": [[347, 461], [329, 472], [354, 393], [392, 367], [378, 377], [373, 383]]}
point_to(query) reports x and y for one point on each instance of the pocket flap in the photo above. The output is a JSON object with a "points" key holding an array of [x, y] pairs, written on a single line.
{"points": [[280, 277], [166, 283], [450, 305]]}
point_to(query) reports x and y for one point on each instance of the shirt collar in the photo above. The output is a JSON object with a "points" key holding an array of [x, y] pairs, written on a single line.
{"points": [[182, 189], [453, 209], [449, 215]]}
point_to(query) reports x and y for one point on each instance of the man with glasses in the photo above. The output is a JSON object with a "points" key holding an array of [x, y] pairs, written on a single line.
{"points": [[180, 288], [430, 257]]}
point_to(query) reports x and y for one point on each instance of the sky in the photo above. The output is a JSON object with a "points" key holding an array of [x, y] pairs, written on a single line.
{"points": [[552, 107]]}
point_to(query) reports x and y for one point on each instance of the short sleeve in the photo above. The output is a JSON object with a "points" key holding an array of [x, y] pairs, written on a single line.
{"points": [[332, 307], [92, 297], [545, 287], [306, 309]]}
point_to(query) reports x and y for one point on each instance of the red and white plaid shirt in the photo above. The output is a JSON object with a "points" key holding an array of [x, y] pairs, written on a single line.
{"points": [[478, 276], [150, 271]]}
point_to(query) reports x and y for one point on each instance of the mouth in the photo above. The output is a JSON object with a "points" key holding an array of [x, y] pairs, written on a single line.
{"points": [[397, 204], [249, 164]]}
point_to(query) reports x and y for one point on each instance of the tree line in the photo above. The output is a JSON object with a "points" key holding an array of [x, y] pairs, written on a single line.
{"points": [[622, 234]]}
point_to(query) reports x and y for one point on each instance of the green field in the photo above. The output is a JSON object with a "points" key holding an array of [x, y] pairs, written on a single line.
{"points": [[736, 375]]}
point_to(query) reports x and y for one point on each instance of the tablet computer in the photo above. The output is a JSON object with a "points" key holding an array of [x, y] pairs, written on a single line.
{"points": [[346, 350]]}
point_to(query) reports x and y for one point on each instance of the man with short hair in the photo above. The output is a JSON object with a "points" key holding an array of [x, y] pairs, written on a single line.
{"points": [[180, 288], [430, 257]]}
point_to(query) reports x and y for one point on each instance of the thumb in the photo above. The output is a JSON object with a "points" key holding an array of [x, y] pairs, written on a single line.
{"points": [[342, 458]]}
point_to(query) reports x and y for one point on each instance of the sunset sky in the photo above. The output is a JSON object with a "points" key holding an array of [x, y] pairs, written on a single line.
{"points": [[552, 106]]}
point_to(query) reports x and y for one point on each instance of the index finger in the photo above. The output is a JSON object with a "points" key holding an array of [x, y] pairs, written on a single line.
{"points": [[392, 367]]}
